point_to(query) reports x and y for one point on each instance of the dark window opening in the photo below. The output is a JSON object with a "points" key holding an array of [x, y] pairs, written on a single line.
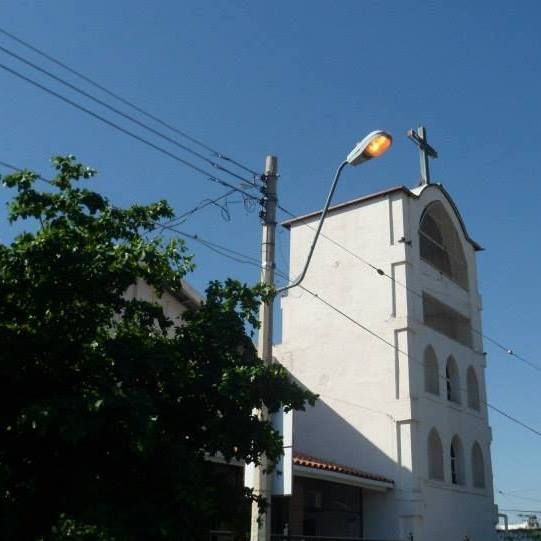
{"points": [[453, 465], [474, 401], [448, 382], [447, 321], [457, 462], [432, 376], [440, 245], [435, 456], [452, 379], [478, 466]]}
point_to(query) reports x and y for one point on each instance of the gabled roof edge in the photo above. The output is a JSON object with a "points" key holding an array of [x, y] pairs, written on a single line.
{"points": [[305, 217]]}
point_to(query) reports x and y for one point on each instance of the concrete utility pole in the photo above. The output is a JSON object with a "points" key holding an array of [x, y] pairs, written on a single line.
{"points": [[419, 137], [261, 529]]}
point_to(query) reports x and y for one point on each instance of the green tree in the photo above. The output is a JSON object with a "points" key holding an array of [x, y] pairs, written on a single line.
{"points": [[108, 411]]}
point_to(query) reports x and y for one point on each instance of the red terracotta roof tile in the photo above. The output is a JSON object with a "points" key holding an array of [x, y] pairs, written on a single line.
{"points": [[308, 461]]}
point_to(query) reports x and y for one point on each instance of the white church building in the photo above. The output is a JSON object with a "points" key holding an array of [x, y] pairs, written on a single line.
{"points": [[398, 444], [386, 329]]}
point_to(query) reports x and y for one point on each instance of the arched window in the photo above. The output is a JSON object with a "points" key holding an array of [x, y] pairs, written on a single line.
{"points": [[473, 390], [452, 381], [457, 461], [477, 466], [432, 377], [440, 244], [435, 456]]}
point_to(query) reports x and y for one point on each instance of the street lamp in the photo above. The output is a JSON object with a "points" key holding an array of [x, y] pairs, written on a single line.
{"points": [[372, 146]]}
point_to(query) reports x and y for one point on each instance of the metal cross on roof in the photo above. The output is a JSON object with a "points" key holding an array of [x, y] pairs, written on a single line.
{"points": [[419, 137]]}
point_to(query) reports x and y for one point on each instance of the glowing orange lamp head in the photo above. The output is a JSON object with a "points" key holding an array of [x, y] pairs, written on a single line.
{"points": [[372, 146]]}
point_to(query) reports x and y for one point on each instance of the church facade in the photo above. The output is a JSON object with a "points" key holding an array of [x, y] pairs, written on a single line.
{"points": [[387, 330]]}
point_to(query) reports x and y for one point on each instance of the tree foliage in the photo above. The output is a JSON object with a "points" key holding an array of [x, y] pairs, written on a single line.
{"points": [[108, 412]]}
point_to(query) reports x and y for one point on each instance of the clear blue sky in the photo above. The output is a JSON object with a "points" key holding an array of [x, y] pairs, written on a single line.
{"points": [[304, 80]]}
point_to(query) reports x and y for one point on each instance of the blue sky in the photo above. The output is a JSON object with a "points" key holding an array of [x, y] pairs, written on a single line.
{"points": [[304, 80]]}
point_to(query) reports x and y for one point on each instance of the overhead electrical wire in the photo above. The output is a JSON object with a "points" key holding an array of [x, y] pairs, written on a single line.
{"points": [[217, 248], [381, 272], [514, 419], [520, 510], [418, 361], [203, 204], [180, 219], [248, 260], [509, 495], [520, 490], [129, 103], [14, 168], [245, 259], [210, 177], [159, 225], [216, 153], [125, 115], [160, 149]]}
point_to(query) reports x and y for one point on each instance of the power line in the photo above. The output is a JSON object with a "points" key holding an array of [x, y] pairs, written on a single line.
{"points": [[180, 219], [418, 361], [162, 226], [241, 258], [128, 103], [409, 356], [507, 350], [514, 491], [218, 248], [519, 510], [203, 204], [125, 115], [245, 259], [514, 419], [409, 289], [387, 342], [14, 168], [508, 495], [160, 149]]}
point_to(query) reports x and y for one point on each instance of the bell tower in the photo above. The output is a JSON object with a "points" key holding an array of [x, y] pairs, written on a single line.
{"points": [[387, 330]]}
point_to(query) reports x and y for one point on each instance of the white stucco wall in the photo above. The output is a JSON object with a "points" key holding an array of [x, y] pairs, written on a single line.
{"points": [[373, 412], [172, 306]]}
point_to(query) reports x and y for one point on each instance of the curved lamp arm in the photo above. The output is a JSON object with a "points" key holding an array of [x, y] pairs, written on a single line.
{"points": [[324, 213]]}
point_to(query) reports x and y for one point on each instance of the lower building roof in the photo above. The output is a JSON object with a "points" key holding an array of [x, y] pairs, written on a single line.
{"points": [[311, 462]]}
